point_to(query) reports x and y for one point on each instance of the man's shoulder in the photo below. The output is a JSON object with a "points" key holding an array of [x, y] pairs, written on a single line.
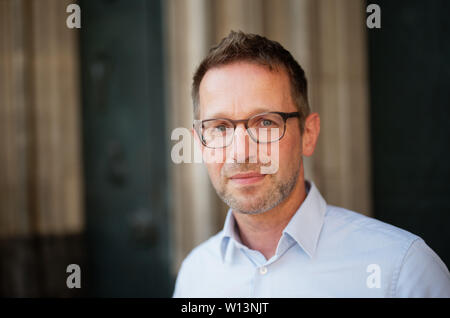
{"points": [[369, 229]]}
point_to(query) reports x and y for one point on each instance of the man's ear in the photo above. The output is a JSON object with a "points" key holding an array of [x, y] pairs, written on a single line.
{"points": [[310, 134]]}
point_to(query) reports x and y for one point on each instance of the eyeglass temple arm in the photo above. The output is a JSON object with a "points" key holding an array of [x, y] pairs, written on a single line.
{"points": [[290, 115]]}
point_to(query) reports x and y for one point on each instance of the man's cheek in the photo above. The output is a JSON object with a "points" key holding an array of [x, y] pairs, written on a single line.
{"points": [[269, 157], [214, 156], [214, 171]]}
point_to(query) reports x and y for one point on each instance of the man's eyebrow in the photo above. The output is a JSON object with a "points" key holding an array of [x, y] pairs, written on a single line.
{"points": [[254, 112]]}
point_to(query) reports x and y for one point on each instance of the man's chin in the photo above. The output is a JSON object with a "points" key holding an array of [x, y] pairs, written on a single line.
{"points": [[249, 209], [247, 204], [249, 192]]}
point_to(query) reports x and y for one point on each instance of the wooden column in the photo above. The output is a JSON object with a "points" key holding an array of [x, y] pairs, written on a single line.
{"points": [[14, 131], [192, 205], [56, 166], [237, 15], [39, 105], [41, 205], [342, 161]]}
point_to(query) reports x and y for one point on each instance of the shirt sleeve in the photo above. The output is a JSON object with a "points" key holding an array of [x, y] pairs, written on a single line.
{"points": [[422, 273]]}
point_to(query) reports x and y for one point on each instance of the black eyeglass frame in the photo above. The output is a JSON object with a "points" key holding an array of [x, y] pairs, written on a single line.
{"points": [[200, 124]]}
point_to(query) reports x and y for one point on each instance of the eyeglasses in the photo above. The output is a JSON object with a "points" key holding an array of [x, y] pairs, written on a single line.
{"points": [[262, 128]]}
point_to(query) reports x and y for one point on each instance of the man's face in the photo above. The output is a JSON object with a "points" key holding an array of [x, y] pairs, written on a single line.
{"points": [[239, 91]]}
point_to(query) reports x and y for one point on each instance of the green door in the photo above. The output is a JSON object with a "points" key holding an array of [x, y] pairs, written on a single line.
{"points": [[124, 144]]}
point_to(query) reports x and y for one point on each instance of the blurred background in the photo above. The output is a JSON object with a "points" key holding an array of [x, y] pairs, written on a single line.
{"points": [[86, 117]]}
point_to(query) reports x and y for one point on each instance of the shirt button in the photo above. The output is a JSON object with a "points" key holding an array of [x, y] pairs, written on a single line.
{"points": [[263, 270]]}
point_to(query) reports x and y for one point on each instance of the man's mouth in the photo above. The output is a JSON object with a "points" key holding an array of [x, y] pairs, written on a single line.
{"points": [[247, 178]]}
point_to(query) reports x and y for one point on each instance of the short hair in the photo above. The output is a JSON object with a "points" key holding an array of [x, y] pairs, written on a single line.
{"points": [[240, 46]]}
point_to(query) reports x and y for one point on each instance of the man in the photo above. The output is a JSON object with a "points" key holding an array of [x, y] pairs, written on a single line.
{"points": [[280, 238]]}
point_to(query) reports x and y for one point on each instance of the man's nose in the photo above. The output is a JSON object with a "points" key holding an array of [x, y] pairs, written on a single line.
{"points": [[241, 145]]}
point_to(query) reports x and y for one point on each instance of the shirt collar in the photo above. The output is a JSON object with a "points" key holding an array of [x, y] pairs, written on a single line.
{"points": [[229, 237], [304, 226]]}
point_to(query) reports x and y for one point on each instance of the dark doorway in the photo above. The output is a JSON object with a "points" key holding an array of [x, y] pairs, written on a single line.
{"points": [[124, 145], [410, 101]]}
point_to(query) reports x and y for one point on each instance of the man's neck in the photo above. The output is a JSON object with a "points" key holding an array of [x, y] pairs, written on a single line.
{"points": [[262, 232]]}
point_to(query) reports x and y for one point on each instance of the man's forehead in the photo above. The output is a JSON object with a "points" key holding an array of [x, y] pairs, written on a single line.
{"points": [[242, 88]]}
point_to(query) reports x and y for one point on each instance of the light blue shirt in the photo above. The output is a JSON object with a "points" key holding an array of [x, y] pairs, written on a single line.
{"points": [[324, 251]]}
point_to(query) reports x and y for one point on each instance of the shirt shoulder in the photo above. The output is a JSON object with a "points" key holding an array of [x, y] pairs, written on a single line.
{"points": [[372, 230], [414, 269], [422, 273]]}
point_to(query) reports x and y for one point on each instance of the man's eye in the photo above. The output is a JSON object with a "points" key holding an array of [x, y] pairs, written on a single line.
{"points": [[266, 122], [221, 128]]}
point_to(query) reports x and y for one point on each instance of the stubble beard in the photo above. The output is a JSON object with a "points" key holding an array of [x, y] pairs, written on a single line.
{"points": [[271, 197]]}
